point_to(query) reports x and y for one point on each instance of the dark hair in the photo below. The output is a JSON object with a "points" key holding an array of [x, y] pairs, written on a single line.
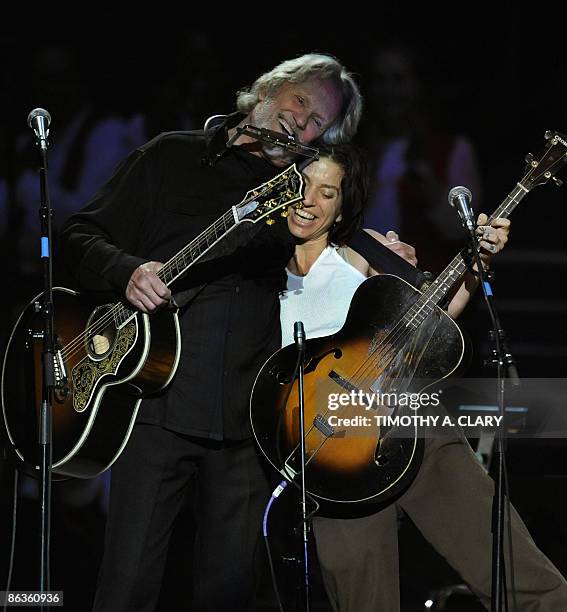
{"points": [[354, 188]]}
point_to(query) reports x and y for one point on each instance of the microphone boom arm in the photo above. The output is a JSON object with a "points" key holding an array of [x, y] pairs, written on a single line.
{"points": [[280, 139]]}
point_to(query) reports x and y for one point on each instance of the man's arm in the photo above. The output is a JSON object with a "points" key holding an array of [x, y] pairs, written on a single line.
{"points": [[98, 243], [391, 240], [494, 238]]}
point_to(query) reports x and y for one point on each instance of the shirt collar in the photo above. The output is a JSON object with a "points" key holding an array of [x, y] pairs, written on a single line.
{"points": [[217, 136]]}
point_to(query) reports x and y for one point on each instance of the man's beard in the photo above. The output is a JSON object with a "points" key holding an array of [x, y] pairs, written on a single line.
{"points": [[262, 116], [277, 155]]}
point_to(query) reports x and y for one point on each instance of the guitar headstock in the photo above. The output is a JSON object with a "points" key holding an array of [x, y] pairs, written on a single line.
{"points": [[545, 168], [278, 193]]}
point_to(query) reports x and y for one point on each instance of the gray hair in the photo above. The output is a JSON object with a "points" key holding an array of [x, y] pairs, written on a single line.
{"points": [[301, 69]]}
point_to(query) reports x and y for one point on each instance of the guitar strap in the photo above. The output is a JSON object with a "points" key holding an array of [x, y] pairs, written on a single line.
{"points": [[384, 259], [378, 256]]}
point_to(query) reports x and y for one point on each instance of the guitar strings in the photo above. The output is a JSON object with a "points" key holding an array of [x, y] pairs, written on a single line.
{"points": [[377, 360], [118, 309], [397, 333], [389, 352], [77, 344], [386, 349]]}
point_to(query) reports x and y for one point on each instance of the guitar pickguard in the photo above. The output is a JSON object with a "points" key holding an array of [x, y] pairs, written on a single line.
{"points": [[87, 373]]}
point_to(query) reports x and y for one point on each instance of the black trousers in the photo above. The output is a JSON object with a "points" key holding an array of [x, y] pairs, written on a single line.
{"points": [[149, 484], [450, 502]]}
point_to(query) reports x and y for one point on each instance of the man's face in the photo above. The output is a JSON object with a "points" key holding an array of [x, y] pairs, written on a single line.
{"points": [[303, 110]]}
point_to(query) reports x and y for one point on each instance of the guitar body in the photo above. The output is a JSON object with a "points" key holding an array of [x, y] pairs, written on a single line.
{"points": [[110, 357], [100, 380], [357, 462]]}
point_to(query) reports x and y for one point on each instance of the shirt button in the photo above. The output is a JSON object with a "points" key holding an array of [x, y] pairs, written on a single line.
{"points": [[237, 289]]}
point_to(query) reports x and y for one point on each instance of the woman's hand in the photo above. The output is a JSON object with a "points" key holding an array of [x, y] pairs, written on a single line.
{"points": [[493, 237]]}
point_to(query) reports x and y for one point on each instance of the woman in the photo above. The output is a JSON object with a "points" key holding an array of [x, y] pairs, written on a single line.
{"points": [[321, 228], [450, 499]]}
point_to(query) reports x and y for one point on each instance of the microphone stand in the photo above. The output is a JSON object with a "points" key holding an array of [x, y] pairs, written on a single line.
{"points": [[48, 353], [289, 143], [299, 337], [505, 366]]}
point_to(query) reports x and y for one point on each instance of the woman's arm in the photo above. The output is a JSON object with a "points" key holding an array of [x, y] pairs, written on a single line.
{"points": [[494, 238]]}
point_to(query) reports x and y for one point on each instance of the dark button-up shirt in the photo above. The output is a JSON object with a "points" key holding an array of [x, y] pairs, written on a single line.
{"points": [[161, 197]]}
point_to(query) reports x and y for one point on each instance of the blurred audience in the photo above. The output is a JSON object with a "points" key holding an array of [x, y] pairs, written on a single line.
{"points": [[86, 143], [417, 157]]}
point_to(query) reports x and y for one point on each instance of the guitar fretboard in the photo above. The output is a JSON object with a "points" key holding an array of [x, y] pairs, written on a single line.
{"points": [[191, 252], [182, 260]]}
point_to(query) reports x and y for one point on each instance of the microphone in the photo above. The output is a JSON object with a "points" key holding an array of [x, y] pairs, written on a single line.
{"points": [[460, 198], [299, 335], [39, 120]]}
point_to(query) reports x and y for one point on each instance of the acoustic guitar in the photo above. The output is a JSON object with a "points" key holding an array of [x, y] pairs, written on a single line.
{"points": [[108, 357]]}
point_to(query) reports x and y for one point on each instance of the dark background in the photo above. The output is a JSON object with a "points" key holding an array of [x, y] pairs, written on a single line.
{"points": [[496, 74]]}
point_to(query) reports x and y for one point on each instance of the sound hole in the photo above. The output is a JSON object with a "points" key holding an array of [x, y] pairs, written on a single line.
{"points": [[102, 333]]}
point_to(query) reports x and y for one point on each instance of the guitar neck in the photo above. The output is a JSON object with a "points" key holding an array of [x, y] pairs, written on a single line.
{"points": [[184, 259], [193, 251], [442, 285], [283, 190]]}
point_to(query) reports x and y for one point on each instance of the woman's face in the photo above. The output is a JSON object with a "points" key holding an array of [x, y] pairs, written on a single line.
{"points": [[322, 203]]}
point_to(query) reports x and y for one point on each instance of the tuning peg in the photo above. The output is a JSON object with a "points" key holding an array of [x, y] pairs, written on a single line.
{"points": [[529, 158], [557, 181], [269, 221], [284, 213], [548, 134]]}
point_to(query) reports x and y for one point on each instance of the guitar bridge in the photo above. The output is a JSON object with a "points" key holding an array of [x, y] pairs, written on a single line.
{"points": [[323, 426], [60, 372]]}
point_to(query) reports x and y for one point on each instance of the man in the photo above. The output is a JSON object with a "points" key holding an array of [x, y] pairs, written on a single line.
{"points": [[196, 432]]}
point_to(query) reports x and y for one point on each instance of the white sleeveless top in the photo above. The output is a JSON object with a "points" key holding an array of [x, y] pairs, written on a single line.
{"points": [[321, 298]]}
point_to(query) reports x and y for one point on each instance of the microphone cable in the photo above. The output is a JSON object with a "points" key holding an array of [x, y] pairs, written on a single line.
{"points": [[276, 493]]}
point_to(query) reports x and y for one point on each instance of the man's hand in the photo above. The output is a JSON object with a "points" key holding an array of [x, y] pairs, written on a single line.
{"points": [[401, 248], [145, 290]]}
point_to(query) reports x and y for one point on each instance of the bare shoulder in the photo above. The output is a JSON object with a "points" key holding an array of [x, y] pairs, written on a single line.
{"points": [[358, 261]]}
